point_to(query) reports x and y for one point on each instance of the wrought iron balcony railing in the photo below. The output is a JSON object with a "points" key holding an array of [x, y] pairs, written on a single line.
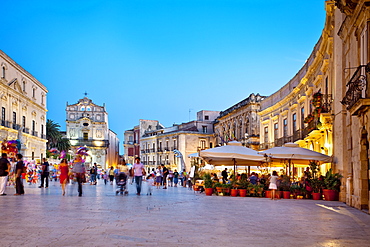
{"points": [[356, 87]]}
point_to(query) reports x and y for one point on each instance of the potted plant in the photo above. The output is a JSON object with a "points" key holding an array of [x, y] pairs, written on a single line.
{"points": [[226, 189], [285, 187], [208, 184], [314, 181], [316, 185], [331, 185], [296, 190], [234, 188], [218, 187], [243, 185]]}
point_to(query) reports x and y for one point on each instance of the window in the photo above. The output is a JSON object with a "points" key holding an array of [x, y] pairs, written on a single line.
{"points": [[174, 144], [14, 118], [33, 125], [294, 122], [204, 129], [42, 130], [302, 118], [276, 131], [82, 108], [88, 108], [24, 122], [266, 134], [210, 145], [3, 114], [285, 121], [33, 92], [202, 144], [206, 117], [86, 136], [3, 76], [42, 98]]}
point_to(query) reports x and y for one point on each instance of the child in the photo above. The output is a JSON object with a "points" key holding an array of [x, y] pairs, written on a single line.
{"points": [[105, 177], [150, 180]]}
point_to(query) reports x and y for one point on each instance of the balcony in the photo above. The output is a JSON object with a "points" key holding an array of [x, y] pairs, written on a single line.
{"points": [[34, 133], [281, 141], [267, 145], [357, 96], [16, 126], [90, 143], [297, 135], [5, 123]]}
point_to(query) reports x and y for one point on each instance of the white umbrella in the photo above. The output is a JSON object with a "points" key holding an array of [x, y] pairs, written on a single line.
{"points": [[233, 153], [291, 153], [295, 154]]}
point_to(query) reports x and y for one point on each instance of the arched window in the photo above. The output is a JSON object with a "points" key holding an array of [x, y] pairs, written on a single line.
{"points": [[3, 72]]}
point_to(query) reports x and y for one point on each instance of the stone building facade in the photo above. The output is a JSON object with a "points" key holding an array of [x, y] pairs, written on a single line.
{"points": [[240, 122], [352, 105], [87, 125], [171, 146], [23, 108], [326, 106]]}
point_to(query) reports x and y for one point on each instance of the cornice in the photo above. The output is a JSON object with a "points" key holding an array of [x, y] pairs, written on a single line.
{"points": [[22, 70]]}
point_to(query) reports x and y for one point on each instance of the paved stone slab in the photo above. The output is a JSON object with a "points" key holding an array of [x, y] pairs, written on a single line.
{"points": [[173, 217]]}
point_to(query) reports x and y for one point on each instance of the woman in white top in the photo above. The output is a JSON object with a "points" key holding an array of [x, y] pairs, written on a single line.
{"points": [[273, 187]]}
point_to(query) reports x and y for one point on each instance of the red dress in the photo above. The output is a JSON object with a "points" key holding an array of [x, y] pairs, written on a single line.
{"points": [[63, 173]]}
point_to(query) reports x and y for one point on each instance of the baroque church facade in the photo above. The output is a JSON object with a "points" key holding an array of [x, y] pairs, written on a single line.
{"points": [[87, 125]]}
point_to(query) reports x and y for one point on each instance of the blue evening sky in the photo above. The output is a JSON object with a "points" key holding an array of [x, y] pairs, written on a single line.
{"points": [[158, 59]]}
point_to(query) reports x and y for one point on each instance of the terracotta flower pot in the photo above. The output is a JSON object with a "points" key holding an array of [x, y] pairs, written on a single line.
{"points": [[330, 195], [286, 194], [316, 196], [243, 192], [226, 191], [234, 192], [268, 193], [209, 191]]}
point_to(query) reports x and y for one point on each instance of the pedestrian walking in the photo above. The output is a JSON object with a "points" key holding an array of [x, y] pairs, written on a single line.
{"points": [[150, 180], [224, 175], [105, 177], [175, 178], [44, 174], [64, 175], [131, 174], [111, 174], [79, 171], [184, 178], [139, 172], [170, 178], [165, 174], [273, 187], [158, 177], [19, 167], [93, 173], [4, 171]]}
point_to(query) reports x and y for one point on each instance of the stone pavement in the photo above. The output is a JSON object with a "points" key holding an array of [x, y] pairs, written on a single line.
{"points": [[173, 217]]}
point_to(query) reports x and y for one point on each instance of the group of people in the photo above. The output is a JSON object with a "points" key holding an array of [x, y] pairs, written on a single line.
{"points": [[6, 170]]}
